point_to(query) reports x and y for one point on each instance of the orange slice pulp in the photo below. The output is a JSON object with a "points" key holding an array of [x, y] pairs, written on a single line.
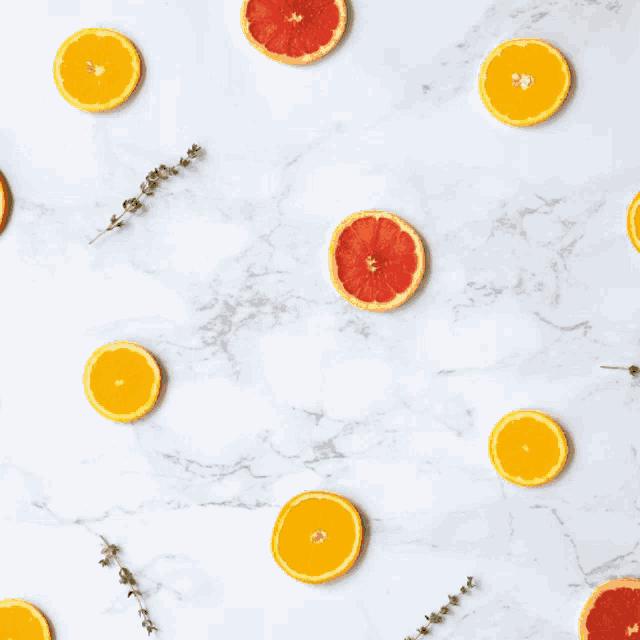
{"points": [[96, 69], [376, 260], [317, 537], [122, 381], [4, 202], [528, 448], [612, 612], [633, 222], [294, 31], [524, 81], [20, 620]]}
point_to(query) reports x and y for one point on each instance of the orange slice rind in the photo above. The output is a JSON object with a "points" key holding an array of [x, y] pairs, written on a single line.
{"points": [[376, 260], [317, 537], [4, 202], [96, 69], [528, 448], [20, 620], [524, 81], [122, 381], [633, 222], [294, 31]]}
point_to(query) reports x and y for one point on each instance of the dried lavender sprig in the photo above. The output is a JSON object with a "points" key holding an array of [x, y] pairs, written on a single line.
{"points": [[437, 618], [110, 552], [148, 187]]}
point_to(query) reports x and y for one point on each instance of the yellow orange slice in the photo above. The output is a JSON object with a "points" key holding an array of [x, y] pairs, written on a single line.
{"points": [[317, 537], [4, 202], [528, 448], [633, 222], [96, 69], [612, 612], [122, 381], [20, 620], [294, 31], [524, 81], [376, 260]]}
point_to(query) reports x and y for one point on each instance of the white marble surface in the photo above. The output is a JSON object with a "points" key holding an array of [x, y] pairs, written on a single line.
{"points": [[275, 384]]}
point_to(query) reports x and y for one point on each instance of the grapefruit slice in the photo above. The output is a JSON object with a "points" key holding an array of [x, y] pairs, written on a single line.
{"points": [[524, 81], [633, 222], [96, 69], [528, 448], [612, 612], [317, 537], [376, 260], [294, 31], [4, 202], [20, 620], [122, 381]]}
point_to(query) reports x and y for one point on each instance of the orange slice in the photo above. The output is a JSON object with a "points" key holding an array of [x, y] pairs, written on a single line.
{"points": [[122, 381], [317, 537], [524, 81], [612, 612], [528, 448], [294, 31], [376, 260], [96, 69], [633, 222], [20, 620], [4, 202]]}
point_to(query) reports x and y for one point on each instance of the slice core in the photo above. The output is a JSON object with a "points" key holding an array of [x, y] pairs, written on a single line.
{"points": [[20, 620], [317, 537], [376, 260], [528, 448]]}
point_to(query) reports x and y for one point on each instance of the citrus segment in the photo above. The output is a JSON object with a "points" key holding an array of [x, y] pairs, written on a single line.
{"points": [[376, 260], [527, 448], [524, 81], [20, 620], [294, 31], [4, 202], [122, 381], [633, 222], [612, 612], [317, 536], [96, 69]]}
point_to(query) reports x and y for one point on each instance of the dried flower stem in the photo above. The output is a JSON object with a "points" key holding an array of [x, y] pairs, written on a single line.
{"points": [[633, 370], [147, 188], [110, 552], [437, 618]]}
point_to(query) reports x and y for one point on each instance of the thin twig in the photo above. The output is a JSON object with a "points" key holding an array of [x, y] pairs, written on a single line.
{"points": [[110, 552], [147, 188], [633, 370]]}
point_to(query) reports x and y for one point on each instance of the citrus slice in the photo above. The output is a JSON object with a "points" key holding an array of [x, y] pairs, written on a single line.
{"points": [[4, 202], [376, 260], [524, 81], [633, 222], [317, 537], [294, 31], [528, 448], [612, 612], [20, 620], [122, 381], [96, 69]]}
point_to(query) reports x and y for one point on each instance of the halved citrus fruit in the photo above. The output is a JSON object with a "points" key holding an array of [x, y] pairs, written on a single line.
{"points": [[20, 620], [317, 537], [4, 202], [528, 448], [612, 612], [633, 222], [376, 260], [122, 381], [524, 81], [294, 31], [96, 69]]}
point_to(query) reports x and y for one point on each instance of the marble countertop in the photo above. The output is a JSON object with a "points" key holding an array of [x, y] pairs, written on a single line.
{"points": [[275, 384]]}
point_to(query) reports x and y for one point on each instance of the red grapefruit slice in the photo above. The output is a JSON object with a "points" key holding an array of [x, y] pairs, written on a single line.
{"points": [[294, 31], [376, 260]]}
